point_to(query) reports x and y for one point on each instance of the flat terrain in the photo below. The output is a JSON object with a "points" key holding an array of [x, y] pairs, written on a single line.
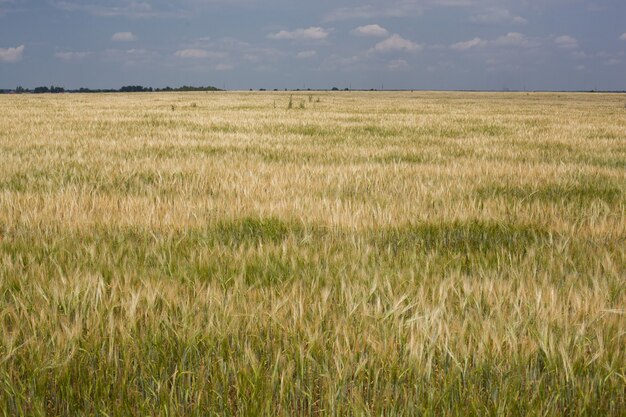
{"points": [[355, 254]]}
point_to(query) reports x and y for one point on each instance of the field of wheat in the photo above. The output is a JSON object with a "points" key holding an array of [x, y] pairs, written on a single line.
{"points": [[332, 254]]}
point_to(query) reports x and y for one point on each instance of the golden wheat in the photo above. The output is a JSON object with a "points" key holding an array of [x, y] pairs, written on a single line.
{"points": [[368, 254]]}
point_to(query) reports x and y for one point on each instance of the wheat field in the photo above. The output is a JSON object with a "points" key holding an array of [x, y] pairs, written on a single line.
{"points": [[348, 254]]}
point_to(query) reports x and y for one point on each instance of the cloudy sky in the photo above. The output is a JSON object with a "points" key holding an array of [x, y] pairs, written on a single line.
{"points": [[241, 44]]}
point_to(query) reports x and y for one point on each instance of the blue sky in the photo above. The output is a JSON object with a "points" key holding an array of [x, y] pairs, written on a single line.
{"points": [[241, 44]]}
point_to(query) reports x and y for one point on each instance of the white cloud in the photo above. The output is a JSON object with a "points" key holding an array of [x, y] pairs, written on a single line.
{"points": [[514, 39], [497, 16], [11, 55], [193, 53], [398, 65], [306, 54], [623, 37], [472, 43], [396, 43], [312, 33], [124, 37], [511, 39], [370, 30], [566, 42], [72, 56], [204, 54]]}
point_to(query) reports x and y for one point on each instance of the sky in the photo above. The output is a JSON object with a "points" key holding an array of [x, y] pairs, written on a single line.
{"points": [[242, 44]]}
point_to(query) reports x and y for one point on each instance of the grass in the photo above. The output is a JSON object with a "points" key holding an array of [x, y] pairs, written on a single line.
{"points": [[392, 254]]}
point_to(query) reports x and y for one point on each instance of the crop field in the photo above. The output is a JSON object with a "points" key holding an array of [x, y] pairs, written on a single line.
{"points": [[348, 254]]}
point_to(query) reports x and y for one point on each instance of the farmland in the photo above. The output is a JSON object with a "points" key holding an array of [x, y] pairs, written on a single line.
{"points": [[421, 253]]}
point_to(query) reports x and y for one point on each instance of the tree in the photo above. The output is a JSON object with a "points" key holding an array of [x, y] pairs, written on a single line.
{"points": [[134, 89]]}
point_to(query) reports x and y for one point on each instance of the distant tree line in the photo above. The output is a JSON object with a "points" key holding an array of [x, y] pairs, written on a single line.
{"points": [[135, 89], [125, 89], [141, 89], [189, 88], [52, 89]]}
